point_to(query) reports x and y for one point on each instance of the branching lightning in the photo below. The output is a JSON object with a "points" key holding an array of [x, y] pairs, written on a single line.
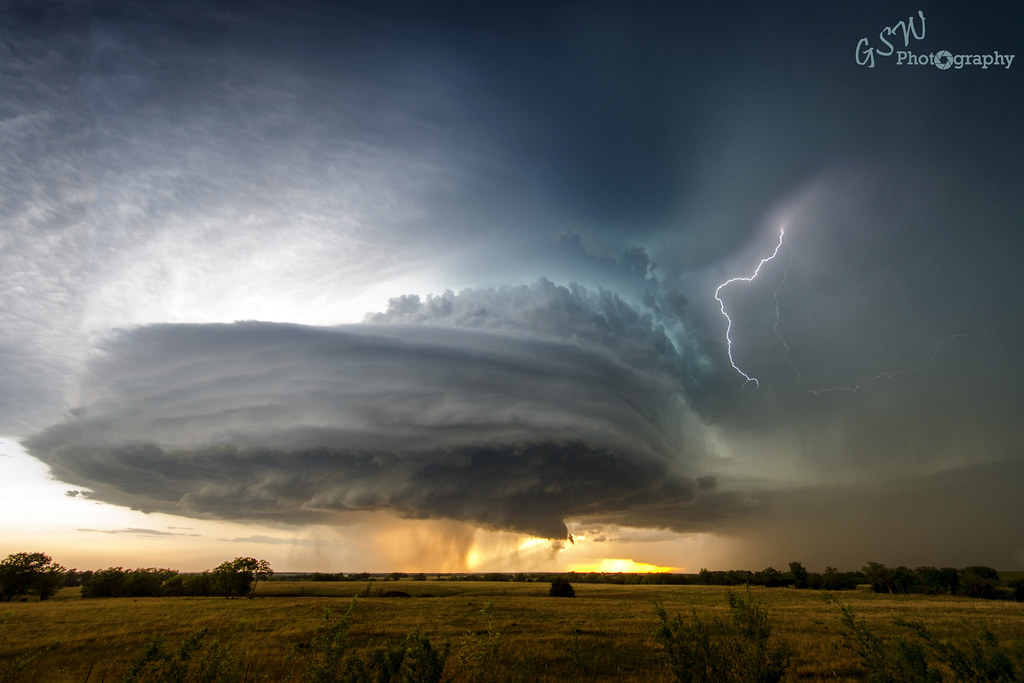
{"points": [[728, 328], [818, 391]]}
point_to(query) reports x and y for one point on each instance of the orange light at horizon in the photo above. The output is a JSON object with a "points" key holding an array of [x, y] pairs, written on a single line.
{"points": [[616, 565]]}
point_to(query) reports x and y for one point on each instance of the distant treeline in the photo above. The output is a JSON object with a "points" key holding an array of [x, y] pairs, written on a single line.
{"points": [[236, 577], [37, 573], [974, 581]]}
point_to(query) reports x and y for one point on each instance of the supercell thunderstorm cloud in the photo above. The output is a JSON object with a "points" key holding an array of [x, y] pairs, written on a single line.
{"points": [[513, 408], [295, 264], [256, 420]]}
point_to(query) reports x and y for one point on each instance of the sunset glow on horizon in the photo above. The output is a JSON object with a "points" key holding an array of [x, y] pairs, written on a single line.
{"points": [[621, 566]]}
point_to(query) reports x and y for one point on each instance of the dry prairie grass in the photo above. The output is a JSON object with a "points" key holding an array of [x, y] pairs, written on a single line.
{"points": [[605, 633]]}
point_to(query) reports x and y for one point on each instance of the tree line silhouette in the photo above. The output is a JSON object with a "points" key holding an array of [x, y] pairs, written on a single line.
{"points": [[23, 574]]}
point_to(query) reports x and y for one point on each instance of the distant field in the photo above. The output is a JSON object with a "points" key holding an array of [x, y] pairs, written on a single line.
{"points": [[603, 634]]}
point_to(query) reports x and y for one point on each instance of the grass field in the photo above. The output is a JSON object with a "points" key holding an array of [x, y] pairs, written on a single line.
{"points": [[603, 634]]}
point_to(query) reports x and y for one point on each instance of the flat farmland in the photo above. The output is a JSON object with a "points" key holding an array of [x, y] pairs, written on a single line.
{"points": [[505, 630]]}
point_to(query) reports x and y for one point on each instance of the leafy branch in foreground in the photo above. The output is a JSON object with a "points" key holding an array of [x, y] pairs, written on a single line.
{"points": [[923, 657], [977, 659], [480, 651], [714, 650], [328, 650], [195, 659], [330, 657]]}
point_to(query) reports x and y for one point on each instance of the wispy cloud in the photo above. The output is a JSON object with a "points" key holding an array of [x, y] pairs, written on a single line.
{"points": [[273, 540], [139, 532]]}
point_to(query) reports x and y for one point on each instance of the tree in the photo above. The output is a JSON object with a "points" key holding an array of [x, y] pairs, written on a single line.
{"points": [[1018, 589], [834, 580], [799, 573], [880, 577], [979, 582], [21, 573], [903, 580], [770, 577], [935, 581], [189, 584], [142, 583], [104, 583], [240, 576], [73, 578]]}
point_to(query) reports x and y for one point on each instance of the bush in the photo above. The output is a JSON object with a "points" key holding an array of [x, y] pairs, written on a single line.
{"points": [[922, 657], [327, 652], [561, 588], [1018, 589], [330, 657], [713, 651], [479, 651], [414, 660], [895, 659], [195, 659]]}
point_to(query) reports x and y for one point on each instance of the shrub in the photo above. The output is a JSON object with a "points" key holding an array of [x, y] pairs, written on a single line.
{"points": [[328, 650], [896, 659], [561, 588], [1018, 589], [479, 651], [977, 659], [714, 651], [195, 659], [923, 657], [414, 660], [330, 657]]}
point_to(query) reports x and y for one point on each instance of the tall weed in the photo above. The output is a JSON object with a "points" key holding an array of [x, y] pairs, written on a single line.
{"points": [[919, 655], [715, 650]]}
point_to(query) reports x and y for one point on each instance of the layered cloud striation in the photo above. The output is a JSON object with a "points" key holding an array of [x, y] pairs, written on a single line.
{"points": [[513, 409]]}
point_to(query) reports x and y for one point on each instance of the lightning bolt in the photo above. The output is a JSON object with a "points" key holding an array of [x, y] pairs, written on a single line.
{"points": [[851, 388], [728, 328]]}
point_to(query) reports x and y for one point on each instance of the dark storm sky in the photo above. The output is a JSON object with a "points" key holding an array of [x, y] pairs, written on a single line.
{"points": [[518, 214]]}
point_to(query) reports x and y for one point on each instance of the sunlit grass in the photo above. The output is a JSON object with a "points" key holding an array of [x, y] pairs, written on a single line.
{"points": [[606, 630]]}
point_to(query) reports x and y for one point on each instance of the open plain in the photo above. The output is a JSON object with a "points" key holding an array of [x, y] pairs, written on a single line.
{"points": [[495, 630]]}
